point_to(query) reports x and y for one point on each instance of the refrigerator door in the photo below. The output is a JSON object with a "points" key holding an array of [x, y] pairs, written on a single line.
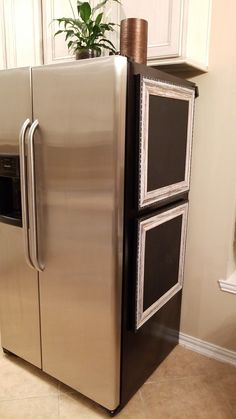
{"points": [[79, 167], [19, 303]]}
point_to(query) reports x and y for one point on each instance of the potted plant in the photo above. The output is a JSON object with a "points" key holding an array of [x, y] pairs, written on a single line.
{"points": [[86, 32]]}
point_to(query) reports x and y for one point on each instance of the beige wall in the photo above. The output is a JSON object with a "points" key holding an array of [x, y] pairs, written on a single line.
{"points": [[209, 313]]}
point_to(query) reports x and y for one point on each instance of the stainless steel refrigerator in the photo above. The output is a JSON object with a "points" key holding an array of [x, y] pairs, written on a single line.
{"points": [[71, 153]]}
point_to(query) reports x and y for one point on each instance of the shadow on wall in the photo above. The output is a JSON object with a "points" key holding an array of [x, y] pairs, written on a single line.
{"points": [[234, 244], [183, 74], [231, 264], [226, 334]]}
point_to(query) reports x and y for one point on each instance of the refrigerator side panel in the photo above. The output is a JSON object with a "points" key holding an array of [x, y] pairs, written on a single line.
{"points": [[80, 107], [153, 258], [19, 304]]}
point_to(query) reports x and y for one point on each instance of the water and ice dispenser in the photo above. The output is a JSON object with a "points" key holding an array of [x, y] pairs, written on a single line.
{"points": [[10, 195]]}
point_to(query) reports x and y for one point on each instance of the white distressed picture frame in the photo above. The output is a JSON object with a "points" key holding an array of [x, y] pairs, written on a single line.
{"points": [[158, 88], [144, 226]]}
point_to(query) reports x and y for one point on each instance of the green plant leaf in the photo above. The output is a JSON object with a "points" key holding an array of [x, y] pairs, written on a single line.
{"points": [[79, 3], [99, 19], [105, 47], [79, 24], [79, 37], [69, 34], [104, 26], [99, 5], [96, 31], [73, 23], [57, 33], [87, 31], [109, 42], [85, 11]]}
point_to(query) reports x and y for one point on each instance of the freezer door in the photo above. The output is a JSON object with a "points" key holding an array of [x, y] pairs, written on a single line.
{"points": [[19, 303], [79, 160]]}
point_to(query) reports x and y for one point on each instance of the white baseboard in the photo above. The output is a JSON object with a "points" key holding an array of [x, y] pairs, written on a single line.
{"points": [[229, 284], [208, 349]]}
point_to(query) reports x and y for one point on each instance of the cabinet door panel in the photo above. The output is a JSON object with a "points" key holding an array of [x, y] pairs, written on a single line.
{"points": [[23, 32], [55, 48], [164, 23], [160, 260]]}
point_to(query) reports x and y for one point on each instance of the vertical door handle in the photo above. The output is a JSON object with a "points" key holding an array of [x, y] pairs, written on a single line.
{"points": [[24, 194], [31, 156]]}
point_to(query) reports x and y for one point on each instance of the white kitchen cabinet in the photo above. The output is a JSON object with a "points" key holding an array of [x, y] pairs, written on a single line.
{"points": [[2, 39], [23, 33], [55, 48], [178, 30], [164, 24]]}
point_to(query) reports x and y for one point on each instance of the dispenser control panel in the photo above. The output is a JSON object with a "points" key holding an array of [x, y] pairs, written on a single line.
{"points": [[9, 166]]}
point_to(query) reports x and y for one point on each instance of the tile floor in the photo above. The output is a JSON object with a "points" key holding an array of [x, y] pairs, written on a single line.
{"points": [[186, 386]]}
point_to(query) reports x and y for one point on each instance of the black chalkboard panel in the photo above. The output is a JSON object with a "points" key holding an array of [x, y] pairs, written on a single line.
{"points": [[167, 141], [162, 253]]}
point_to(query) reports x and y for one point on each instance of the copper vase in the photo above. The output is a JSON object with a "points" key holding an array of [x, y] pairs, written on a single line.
{"points": [[134, 39]]}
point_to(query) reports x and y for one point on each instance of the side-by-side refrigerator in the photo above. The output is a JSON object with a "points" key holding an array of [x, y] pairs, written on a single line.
{"points": [[94, 178]]}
